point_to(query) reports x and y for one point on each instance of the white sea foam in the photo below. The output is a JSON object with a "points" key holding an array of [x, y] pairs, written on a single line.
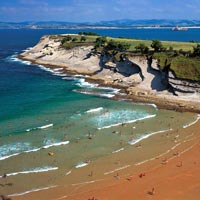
{"points": [[87, 182], [112, 90], [46, 126], [33, 190], [58, 69], [81, 76], [40, 127], [69, 172], [55, 144], [28, 49], [118, 169], [14, 58], [5, 157], [192, 123], [35, 170], [94, 110], [118, 150], [59, 74], [82, 164], [128, 122], [106, 95], [83, 83], [13, 149], [95, 93], [147, 136], [69, 78], [160, 155], [109, 126], [45, 68], [148, 104], [22, 149]]}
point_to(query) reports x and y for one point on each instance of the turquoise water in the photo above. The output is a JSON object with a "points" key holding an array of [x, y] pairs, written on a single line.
{"points": [[43, 111]]}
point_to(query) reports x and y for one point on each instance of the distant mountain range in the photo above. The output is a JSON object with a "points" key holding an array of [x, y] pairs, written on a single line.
{"points": [[113, 23]]}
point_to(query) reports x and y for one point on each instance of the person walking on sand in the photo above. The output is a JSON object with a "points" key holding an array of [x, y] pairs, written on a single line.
{"points": [[153, 191], [117, 176], [91, 173]]}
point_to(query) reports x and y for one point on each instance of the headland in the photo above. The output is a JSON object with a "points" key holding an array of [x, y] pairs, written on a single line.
{"points": [[142, 76], [163, 166]]}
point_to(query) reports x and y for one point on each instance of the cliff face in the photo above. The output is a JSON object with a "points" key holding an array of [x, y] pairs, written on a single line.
{"points": [[131, 71], [183, 86], [48, 51], [80, 60], [141, 77]]}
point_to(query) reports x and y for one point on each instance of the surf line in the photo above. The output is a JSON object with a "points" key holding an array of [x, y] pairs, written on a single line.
{"points": [[36, 170], [147, 136], [118, 169], [192, 123], [30, 191], [116, 151], [40, 127], [160, 155], [87, 182], [128, 122]]}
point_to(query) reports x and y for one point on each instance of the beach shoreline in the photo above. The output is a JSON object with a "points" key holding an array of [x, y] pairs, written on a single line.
{"points": [[134, 94], [164, 162], [102, 71], [172, 169]]}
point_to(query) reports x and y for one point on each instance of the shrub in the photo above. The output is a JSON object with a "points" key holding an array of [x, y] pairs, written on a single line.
{"points": [[157, 45], [142, 48]]}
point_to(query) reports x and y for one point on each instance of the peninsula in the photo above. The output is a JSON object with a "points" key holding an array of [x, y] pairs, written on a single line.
{"points": [[164, 73]]}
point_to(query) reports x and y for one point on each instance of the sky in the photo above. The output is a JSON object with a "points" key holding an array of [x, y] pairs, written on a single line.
{"points": [[97, 10]]}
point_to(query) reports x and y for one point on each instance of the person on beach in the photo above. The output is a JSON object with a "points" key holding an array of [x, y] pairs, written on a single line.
{"points": [[180, 164], [4, 175], [117, 176], [130, 178], [89, 136], [153, 191], [164, 161], [91, 173], [141, 175]]}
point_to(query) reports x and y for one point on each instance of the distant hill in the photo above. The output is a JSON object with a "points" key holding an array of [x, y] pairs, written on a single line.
{"points": [[113, 23]]}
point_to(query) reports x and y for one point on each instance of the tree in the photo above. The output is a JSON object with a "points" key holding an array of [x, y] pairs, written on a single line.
{"points": [[115, 45], [83, 38], [66, 39], [196, 50], [123, 46], [171, 48], [74, 39], [156, 45], [100, 41], [142, 48]]}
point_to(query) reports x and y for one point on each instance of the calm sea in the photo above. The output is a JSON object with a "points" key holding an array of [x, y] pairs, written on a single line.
{"points": [[41, 111]]}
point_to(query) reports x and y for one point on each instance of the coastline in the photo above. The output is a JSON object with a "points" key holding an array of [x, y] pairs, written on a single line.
{"points": [[75, 62], [171, 167], [64, 153]]}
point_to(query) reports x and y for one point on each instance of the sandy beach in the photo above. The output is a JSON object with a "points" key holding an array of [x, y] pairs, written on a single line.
{"points": [[164, 165]]}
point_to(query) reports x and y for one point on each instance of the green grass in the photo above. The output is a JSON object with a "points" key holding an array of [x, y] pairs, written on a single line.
{"points": [[185, 46], [163, 58], [183, 67], [186, 68]]}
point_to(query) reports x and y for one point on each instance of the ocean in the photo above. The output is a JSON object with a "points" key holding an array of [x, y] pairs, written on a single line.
{"points": [[45, 114]]}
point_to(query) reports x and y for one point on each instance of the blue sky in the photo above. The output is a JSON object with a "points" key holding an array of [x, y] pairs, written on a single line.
{"points": [[97, 10]]}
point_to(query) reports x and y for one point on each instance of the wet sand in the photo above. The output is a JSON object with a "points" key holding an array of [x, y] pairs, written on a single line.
{"points": [[169, 163], [163, 166]]}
